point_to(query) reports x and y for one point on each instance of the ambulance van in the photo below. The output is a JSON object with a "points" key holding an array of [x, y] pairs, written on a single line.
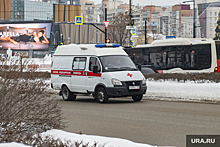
{"points": [[103, 70]]}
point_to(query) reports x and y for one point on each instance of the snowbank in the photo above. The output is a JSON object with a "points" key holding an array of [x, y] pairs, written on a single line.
{"points": [[188, 91], [107, 141], [91, 139]]}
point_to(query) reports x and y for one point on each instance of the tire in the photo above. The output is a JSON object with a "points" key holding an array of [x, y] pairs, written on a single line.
{"points": [[137, 97], [67, 94], [102, 95]]}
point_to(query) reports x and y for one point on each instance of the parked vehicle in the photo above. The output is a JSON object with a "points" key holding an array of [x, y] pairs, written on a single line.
{"points": [[104, 70]]}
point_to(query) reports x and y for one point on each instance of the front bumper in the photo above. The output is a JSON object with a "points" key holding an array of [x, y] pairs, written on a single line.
{"points": [[123, 91]]}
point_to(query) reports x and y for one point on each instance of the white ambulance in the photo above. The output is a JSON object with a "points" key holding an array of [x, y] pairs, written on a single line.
{"points": [[104, 70]]}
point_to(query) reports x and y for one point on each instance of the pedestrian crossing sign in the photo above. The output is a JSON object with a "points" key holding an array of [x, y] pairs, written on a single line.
{"points": [[133, 31], [132, 43], [78, 20]]}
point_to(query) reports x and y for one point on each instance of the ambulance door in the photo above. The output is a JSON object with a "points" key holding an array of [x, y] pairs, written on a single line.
{"points": [[78, 79], [93, 78]]}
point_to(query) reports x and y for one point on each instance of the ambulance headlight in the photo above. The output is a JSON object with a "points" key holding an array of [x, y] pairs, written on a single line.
{"points": [[116, 82], [144, 81]]}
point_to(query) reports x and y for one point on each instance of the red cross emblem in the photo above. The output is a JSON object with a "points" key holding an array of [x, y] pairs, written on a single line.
{"points": [[130, 75]]}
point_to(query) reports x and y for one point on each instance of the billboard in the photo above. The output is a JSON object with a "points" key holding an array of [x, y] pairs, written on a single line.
{"points": [[25, 35]]}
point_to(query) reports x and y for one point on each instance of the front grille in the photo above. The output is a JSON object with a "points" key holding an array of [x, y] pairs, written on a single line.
{"points": [[133, 83]]}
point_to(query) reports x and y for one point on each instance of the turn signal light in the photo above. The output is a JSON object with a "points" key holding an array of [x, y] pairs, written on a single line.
{"points": [[216, 69]]}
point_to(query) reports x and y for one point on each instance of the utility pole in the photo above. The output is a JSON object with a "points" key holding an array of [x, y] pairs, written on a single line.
{"points": [[105, 27], [194, 16], [145, 32], [130, 21]]}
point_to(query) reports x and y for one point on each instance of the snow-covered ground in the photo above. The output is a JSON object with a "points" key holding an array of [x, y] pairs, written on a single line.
{"points": [[91, 139], [189, 91]]}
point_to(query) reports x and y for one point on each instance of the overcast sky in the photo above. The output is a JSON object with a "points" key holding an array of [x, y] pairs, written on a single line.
{"points": [[149, 2]]}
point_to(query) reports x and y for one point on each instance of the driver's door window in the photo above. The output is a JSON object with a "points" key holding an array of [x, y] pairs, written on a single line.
{"points": [[92, 62]]}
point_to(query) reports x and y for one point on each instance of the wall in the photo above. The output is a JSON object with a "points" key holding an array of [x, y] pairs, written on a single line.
{"points": [[5, 9], [66, 13], [81, 34]]}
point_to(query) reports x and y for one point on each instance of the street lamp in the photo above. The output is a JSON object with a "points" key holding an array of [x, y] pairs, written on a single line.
{"points": [[194, 26]]}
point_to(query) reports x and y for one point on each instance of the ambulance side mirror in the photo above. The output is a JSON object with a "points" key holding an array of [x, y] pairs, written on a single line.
{"points": [[95, 69], [139, 67]]}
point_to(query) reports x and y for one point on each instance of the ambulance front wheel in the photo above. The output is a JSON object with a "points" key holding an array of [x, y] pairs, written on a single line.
{"points": [[102, 95], [137, 97], [67, 94]]}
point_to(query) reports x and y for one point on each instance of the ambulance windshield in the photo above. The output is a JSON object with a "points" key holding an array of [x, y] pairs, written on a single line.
{"points": [[117, 63]]}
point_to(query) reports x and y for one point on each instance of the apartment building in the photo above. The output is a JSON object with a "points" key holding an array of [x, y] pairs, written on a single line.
{"points": [[88, 11], [112, 4], [208, 15]]}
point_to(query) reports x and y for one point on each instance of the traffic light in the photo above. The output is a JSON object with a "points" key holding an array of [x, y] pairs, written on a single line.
{"points": [[107, 41]]}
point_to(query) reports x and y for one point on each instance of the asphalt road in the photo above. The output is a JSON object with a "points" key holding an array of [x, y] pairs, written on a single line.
{"points": [[152, 122]]}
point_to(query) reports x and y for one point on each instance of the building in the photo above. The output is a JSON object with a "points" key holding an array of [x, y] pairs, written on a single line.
{"points": [[5, 10], [208, 15], [165, 22], [100, 11], [88, 11], [186, 27], [25, 10], [152, 9], [111, 4], [65, 13], [124, 7], [68, 2]]}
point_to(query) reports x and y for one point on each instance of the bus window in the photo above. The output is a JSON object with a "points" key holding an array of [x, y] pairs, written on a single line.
{"points": [[218, 51]]}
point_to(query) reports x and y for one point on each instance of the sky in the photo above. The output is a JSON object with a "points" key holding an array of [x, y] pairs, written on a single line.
{"points": [[149, 2]]}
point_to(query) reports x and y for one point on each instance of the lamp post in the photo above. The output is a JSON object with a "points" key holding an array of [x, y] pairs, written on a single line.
{"points": [[194, 14]]}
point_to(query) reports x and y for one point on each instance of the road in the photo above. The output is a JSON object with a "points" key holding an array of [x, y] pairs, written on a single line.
{"points": [[153, 122]]}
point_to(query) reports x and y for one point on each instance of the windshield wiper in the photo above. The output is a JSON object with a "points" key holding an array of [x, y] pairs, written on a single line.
{"points": [[112, 67], [128, 68]]}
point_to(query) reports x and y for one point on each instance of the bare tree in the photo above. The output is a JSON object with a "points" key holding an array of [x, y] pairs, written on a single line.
{"points": [[117, 31]]}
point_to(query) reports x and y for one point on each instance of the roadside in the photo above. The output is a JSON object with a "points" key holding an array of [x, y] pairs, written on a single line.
{"points": [[188, 92]]}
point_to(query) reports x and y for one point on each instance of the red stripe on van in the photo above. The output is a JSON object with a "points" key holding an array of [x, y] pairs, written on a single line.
{"points": [[75, 73], [61, 72], [94, 74]]}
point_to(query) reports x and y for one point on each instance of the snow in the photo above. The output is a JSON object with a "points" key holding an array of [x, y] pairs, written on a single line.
{"points": [[91, 139], [177, 91], [13, 144]]}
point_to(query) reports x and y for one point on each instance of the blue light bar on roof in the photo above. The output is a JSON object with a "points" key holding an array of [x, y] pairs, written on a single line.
{"points": [[107, 45]]}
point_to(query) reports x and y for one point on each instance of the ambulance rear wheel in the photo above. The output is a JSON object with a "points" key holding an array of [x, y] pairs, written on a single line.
{"points": [[102, 95], [67, 94], [137, 97]]}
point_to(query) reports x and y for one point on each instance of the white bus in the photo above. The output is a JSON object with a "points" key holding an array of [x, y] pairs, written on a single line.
{"points": [[177, 55]]}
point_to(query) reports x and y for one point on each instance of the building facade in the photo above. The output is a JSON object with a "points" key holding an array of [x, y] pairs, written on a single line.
{"points": [[88, 11], [208, 15], [25, 10], [68, 2]]}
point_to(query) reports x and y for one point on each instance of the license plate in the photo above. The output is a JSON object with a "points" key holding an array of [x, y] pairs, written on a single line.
{"points": [[134, 87]]}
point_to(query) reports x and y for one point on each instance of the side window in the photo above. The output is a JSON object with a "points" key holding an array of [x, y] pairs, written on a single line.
{"points": [[79, 63], [92, 62]]}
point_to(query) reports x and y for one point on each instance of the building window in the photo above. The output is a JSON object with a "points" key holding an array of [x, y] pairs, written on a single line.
{"points": [[210, 18], [216, 13], [210, 36], [216, 19], [210, 13], [210, 24]]}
